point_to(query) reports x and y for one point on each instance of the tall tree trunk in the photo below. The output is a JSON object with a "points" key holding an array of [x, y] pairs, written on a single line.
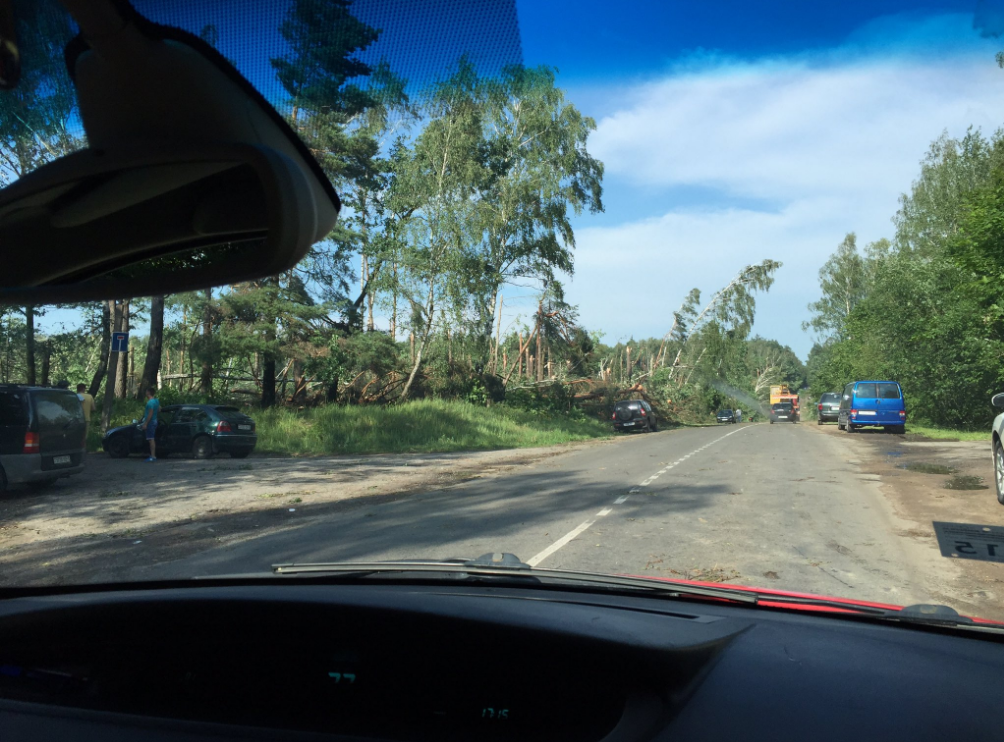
{"points": [[268, 364], [113, 362], [122, 377], [46, 356], [106, 339], [540, 357], [430, 313], [29, 343], [154, 346], [206, 374], [299, 381], [393, 311]]}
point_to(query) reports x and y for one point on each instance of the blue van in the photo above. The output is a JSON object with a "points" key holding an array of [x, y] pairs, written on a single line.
{"points": [[872, 403]]}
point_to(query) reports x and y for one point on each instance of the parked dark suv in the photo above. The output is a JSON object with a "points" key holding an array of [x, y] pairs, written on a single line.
{"points": [[634, 414], [199, 429], [41, 435]]}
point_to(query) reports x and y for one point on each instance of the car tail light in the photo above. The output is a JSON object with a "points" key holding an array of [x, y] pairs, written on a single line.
{"points": [[31, 443], [642, 413], [223, 427], [820, 407], [613, 416], [854, 413], [902, 414]]}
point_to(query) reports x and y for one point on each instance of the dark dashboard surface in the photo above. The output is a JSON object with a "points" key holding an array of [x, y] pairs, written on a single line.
{"points": [[444, 662]]}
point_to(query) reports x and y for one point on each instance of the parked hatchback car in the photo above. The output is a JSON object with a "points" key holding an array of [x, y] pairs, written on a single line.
{"points": [[828, 408], [634, 414], [783, 412], [726, 416], [872, 403], [202, 430], [41, 435]]}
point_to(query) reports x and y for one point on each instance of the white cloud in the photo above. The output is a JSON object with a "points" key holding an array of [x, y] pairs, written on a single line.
{"points": [[828, 139]]}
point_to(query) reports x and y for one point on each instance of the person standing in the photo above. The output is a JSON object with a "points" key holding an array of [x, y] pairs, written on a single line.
{"points": [[87, 402], [150, 420]]}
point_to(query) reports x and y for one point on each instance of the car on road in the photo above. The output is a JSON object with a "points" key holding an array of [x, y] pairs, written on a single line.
{"points": [[872, 403], [634, 414], [828, 408], [783, 412], [726, 416], [41, 435], [201, 430]]}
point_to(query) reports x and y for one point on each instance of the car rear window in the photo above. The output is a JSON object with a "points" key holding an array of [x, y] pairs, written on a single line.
{"points": [[57, 408], [865, 391], [12, 409], [830, 397], [888, 391]]}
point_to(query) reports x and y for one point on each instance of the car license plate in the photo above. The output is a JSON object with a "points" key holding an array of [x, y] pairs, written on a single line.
{"points": [[244, 427], [628, 424], [866, 412], [57, 460]]}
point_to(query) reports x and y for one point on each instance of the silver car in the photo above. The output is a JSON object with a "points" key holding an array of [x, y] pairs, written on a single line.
{"points": [[828, 408], [997, 448]]}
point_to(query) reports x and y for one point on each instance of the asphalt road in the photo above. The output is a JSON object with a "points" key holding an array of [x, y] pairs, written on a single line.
{"points": [[767, 505]]}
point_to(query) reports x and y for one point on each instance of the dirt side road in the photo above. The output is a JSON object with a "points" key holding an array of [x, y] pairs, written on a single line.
{"points": [[897, 464]]}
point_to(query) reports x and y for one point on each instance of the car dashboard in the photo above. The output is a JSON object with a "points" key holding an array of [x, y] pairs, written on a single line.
{"points": [[474, 662]]}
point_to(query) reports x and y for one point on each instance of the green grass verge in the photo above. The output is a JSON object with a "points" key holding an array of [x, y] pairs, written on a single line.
{"points": [[423, 426], [949, 434]]}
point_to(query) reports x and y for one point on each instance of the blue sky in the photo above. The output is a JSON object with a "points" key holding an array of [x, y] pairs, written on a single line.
{"points": [[731, 131], [734, 132]]}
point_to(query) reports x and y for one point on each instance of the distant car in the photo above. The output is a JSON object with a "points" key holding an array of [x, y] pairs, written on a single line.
{"points": [[828, 408], [872, 403], [783, 412], [41, 435], [726, 416], [634, 414], [201, 430], [997, 448]]}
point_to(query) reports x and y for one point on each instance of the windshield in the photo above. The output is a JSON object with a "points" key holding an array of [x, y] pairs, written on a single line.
{"points": [[571, 237]]}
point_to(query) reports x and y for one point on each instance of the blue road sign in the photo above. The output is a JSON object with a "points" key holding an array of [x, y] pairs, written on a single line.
{"points": [[120, 342]]}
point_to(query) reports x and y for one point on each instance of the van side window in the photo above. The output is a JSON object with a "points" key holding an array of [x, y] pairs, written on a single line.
{"points": [[888, 391]]}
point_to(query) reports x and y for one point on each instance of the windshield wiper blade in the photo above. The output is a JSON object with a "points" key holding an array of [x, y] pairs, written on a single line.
{"points": [[510, 566], [507, 565]]}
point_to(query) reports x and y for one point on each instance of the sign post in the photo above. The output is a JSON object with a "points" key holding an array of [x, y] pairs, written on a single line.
{"points": [[120, 342]]}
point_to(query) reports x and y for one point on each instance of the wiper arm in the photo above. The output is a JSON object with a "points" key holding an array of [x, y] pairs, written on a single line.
{"points": [[508, 565]]}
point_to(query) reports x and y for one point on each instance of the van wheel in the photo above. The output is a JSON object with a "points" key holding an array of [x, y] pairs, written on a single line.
{"points": [[850, 428], [839, 426], [202, 448]]}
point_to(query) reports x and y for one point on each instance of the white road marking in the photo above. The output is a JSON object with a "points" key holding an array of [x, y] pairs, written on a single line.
{"points": [[538, 558], [621, 500], [575, 532], [604, 511]]}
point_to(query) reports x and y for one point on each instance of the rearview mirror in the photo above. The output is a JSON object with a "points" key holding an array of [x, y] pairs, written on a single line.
{"points": [[191, 178], [997, 400], [152, 218]]}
